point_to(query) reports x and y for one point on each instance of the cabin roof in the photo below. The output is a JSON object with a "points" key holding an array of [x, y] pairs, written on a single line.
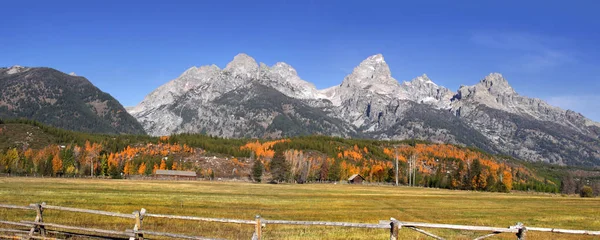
{"points": [[354, 176], [175, 173]]}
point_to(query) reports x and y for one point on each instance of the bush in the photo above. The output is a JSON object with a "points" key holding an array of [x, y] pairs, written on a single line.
{"points": [[587, 192]]}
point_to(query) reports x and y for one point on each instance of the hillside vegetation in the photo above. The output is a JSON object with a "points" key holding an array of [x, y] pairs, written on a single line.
{"points": [[61, 100], [30, 148]]}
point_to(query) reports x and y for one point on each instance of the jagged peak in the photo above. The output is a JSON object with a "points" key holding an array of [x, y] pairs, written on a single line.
{"points": [[197, 70], [376, 59], [371, 66], [242, 63], [191, 70], [423, 79], [496, 83], [284, 69]]}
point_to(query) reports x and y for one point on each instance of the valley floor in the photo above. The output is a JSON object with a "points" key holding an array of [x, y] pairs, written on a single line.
{"points": [[311, 202]]}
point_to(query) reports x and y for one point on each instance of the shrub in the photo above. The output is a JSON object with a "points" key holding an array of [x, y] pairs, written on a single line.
{"points": [[587, 192]]}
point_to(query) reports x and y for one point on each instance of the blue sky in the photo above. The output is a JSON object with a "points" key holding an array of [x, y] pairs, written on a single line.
{"points": [[546, 49]]}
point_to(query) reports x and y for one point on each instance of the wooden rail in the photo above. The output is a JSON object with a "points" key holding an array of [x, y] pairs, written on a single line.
{"points": [[137, 233]]}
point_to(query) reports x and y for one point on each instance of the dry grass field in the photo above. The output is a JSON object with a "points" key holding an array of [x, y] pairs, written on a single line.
{"points": [[312, 202]]}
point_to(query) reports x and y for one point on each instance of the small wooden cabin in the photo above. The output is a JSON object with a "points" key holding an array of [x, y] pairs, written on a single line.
{"points": [[175, 175], [356, 179]]}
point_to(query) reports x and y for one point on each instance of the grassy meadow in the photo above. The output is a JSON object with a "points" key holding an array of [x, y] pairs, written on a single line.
{"points": [[311, 202]]}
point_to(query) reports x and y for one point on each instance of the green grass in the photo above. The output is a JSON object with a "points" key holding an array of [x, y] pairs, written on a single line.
{"points": [[313, 202]]}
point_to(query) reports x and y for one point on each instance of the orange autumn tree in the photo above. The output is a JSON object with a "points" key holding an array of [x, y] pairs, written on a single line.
{"points": [[142, 169], [507, 180], [57, 164], [262, 150], [163, 165]]}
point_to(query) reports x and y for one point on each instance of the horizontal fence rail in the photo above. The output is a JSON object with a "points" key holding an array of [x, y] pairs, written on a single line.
{"points": [[39, 226]]}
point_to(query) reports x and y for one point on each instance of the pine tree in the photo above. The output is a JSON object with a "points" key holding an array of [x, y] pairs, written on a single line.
{"points": [[324, 170], [257, 170], [280, 169], [104, 165], [335, 171]]}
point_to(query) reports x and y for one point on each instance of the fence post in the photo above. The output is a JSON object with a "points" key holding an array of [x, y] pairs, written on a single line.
{"points": [[258, 229], [521, 234], [139, 218], [395, 228], [39, 218]]}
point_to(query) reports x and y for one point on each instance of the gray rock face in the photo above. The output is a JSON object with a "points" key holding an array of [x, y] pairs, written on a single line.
{"points": [[247, 99]]}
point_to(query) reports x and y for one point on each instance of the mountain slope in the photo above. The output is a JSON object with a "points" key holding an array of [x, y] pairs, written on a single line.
{"points": [[65, 101], [247, 99]]}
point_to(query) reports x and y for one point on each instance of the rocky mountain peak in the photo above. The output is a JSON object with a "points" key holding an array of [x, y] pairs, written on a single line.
{"points": [[284, 69], [496, 84], [372, 73], [423, 79], [190, 71], [16, 69], [194, 72], [242, 65], [374, 63]]}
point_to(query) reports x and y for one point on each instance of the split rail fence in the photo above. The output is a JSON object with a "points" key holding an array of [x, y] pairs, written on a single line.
{"points": [[38, 229]]}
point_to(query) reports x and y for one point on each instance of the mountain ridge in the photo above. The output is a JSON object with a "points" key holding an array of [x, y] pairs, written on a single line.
{"points": [[371, 103], [61, 100]]}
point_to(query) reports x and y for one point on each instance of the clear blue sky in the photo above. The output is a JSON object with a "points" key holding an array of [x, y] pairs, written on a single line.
{"points": [[546, 49]]}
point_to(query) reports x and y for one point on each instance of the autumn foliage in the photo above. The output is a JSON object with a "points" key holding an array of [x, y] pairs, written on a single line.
{"points": [[307, 159]]}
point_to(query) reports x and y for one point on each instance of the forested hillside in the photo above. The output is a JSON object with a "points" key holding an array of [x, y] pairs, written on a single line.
{"points": [[62, 100], [30, 148]]}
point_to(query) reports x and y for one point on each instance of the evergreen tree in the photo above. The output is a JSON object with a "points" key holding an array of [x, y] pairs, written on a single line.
{"points": [[475, 175], [280, 168], [113, 171], [103, 165], [335, 171], [257, 170], [68, 159], [323, 174]]}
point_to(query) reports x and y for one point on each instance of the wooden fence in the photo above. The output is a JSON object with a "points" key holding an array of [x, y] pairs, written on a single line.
{"points": [[38, 229]]}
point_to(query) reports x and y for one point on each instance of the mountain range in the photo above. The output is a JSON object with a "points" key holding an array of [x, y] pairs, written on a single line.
{"points": [[62, 100], [248, 99]]}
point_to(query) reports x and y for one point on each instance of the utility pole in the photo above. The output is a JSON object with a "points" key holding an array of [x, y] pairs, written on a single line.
{"points": [[396, 154], [409, 171], [414, 165]]}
